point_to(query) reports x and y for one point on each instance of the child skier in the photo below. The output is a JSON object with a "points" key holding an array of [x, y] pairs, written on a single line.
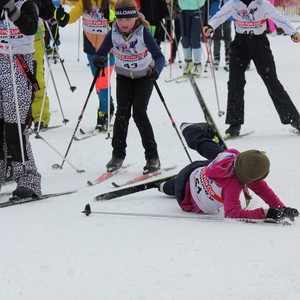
{"points": [[16, 49], [223, 32], [139, 61], [190, 27], [97, 16], [206, 186], [47, 11], [251, 43]]}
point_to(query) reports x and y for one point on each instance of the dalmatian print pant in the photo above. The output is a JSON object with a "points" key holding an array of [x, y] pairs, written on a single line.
{"points": [[27, 176]]}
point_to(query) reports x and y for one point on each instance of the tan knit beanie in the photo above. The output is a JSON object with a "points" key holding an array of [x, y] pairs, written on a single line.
{"points": [[251, 166]]}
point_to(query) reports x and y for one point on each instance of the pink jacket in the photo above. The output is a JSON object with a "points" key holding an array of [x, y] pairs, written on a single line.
{"points": [[223, 174]]}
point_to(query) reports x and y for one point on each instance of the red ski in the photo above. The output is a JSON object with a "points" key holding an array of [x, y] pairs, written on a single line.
{"points": [[144, 177], [105, 176]]}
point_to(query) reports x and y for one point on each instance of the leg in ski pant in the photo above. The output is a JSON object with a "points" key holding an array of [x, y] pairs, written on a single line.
{"points": [[133, 95], [256, 47], [239, 60], [197, 139], [217, 37], [40, 94], [3, 153], [190, 25], [227, 39], [265, 65], [103, 84], [27, 177]]}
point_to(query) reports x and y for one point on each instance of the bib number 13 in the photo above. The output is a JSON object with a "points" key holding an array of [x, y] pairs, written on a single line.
{"points": [[131, 66]]}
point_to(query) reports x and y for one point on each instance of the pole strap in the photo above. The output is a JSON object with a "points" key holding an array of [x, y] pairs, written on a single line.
{"points": [[24, 68]]}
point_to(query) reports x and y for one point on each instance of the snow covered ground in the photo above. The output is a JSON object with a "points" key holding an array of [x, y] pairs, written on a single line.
{"points": [[50, 250]]}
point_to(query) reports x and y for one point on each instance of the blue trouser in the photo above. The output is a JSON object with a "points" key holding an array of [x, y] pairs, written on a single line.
{"points": [[190, 26], [104, 90]]}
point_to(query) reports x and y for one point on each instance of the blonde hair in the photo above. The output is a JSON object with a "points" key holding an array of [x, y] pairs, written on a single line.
{"points": [[131, 3]]}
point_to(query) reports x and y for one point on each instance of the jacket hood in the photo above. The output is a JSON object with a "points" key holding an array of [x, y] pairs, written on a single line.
{"points": [[222, 167]]}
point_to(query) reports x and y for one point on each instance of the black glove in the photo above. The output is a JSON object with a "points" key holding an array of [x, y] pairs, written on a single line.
{"points": [[12, 11], [152, 74], [282, 213], [99, 62], [61, 16], [207, 28]]}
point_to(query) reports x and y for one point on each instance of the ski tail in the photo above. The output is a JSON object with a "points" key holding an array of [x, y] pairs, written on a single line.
{"points": [[15, 200]]}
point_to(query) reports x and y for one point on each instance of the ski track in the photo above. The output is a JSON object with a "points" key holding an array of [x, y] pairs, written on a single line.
{"points": [[50, 250]]}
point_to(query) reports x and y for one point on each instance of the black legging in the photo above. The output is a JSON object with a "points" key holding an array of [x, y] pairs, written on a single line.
{"points": [[197, 139], [133, 95], [256, 47]]}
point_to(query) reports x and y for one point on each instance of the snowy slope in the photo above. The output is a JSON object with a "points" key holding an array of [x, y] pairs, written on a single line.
{"points": [[49, 250]]}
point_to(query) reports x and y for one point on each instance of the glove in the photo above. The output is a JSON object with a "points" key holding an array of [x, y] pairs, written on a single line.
{"points": [[99, 62], [152, 74], [61, 16], [13, 12], [207, 30], [282, 213], [296, 37]]}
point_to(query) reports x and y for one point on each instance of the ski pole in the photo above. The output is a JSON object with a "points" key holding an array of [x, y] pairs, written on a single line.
{"points": [[199, 217], [108, 96], [171, 118], [46, 85], [55, 89], [176, 43], [220, 112], [72, 88], [57, 166], [38, 136], [79, 31], [13, 75], [210, 59], [87, 211]]}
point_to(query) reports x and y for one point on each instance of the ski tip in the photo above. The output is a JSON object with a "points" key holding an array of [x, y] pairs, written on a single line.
{"points": [[89, 183], [115, 184], [81, 131], [87, 210]]}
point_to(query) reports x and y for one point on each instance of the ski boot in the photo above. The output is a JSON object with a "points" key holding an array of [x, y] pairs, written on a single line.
{"points": [[114, 164], [197, 69], [102, 122], [188, 66], [152, 165], [233, 130]]}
